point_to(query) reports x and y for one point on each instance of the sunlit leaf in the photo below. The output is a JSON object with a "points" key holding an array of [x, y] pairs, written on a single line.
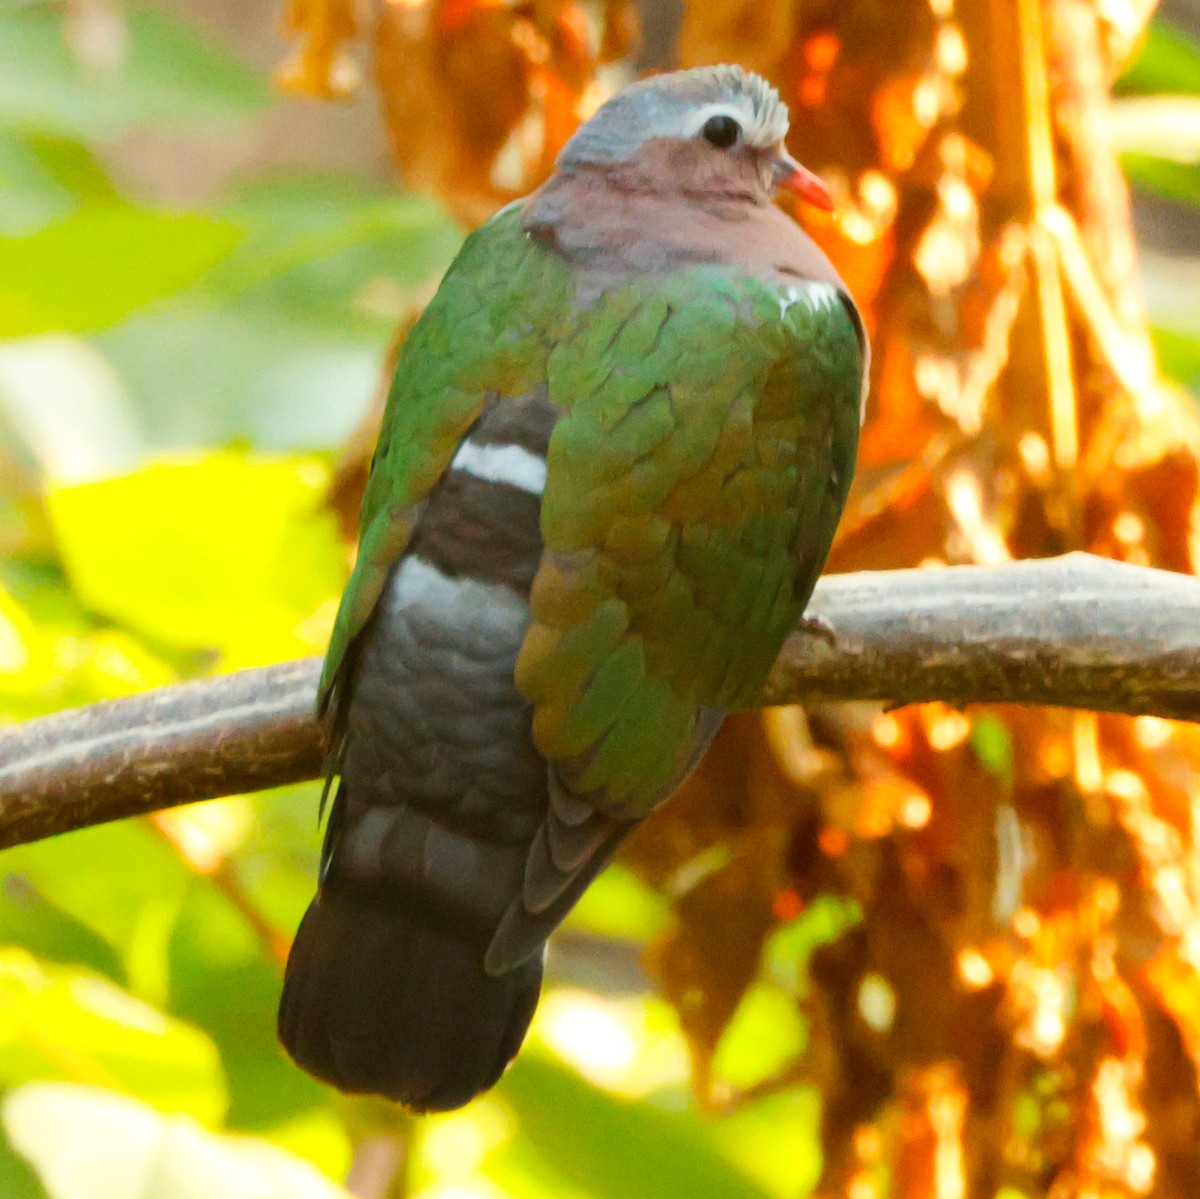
{"points": [[765, 1035], [774, 1139], [318, 1136], [102, 263], [1179, 356], [611, 1148], [619, 904], [52, 655], [177, 941], [622, 1040], [139, 877], [58, 1022], [242, 554], [1169, 61], [121, 1149]]}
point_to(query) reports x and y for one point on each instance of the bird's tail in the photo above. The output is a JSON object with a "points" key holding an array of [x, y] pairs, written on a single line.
{"points": [[391, 999]]}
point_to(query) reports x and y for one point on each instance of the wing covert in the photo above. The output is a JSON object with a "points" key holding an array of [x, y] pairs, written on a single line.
{"points": [[488, 330], [694, 484]]}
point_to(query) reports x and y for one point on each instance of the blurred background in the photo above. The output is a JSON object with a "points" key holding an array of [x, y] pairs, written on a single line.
{"points": [[927, 953]]}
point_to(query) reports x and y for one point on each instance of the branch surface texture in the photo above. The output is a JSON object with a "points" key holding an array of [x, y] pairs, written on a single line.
{"points": [[1076, 631]]}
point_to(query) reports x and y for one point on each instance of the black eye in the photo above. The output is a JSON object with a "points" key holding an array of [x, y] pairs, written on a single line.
{"points": [[721, 131]]}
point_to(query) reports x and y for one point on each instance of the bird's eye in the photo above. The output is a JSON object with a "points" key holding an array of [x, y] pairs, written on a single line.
{"points": [[721, 131]]}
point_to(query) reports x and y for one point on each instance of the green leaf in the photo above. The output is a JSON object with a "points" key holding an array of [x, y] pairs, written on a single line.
{"points": [[101, 263], [766, 1033], [59, 1022], [281, 345], [775, 1140], [330, 252], [993, 746], [317, 1135], [789, 947], [73, 166], [240, 374], [137, 875], [165, 76], [226, 551], [121, 1149], [1179, 356], [52, 656], [17, 1179], [30, 920], [1179, 181], [222, 978], [178, 942], [619, 905], [43, 178], [610, 1148], [1168, 62], [29, 194], [278, 858]]}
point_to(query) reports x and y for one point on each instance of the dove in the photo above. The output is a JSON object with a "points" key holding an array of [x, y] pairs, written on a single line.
{"points": [[613, 458]]}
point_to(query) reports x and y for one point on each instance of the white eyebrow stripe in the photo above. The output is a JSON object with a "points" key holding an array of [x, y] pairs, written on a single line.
{"points": [[756, 134], [511, 464]]}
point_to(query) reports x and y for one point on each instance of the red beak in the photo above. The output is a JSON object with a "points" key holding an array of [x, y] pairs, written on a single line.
{"points": [[790, 176]]}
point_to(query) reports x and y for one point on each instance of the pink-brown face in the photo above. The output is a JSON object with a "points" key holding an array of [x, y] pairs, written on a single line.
{"points": [[734, 132], [716, 130], [695, 166]]}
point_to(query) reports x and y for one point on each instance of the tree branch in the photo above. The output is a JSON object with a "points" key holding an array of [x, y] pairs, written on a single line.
{"points": [[126, 757], [1077, 631]]}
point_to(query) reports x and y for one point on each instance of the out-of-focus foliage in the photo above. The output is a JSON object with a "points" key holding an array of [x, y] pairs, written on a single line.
{"points": [[943, 953], [123, 1149]]}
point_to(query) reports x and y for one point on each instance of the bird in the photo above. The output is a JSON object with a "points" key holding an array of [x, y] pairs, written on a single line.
{"points": [[613, 456]]}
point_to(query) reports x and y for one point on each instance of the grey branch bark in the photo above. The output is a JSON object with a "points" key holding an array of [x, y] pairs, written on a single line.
{"points": [[1077, 631]]}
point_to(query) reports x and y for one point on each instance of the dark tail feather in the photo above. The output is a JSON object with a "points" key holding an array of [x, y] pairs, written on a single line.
{"points": [[383, 999]]}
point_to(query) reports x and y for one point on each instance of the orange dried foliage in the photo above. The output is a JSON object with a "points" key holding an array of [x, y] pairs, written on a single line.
{"points": [[320, 65], [480, 95], [1029, 881]]}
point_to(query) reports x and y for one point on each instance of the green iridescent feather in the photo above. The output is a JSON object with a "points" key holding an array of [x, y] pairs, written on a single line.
{"points": [[694, 484], [489, 328]]}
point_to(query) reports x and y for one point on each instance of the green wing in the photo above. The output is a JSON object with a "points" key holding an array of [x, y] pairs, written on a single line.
{"points": [[694, 484], [488, 330]]}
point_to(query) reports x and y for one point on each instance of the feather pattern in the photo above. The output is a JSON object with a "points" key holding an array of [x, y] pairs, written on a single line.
{"points": [[611, 465]]}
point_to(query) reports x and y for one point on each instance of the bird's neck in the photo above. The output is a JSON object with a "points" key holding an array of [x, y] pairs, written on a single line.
{"points": [[614, 221]]}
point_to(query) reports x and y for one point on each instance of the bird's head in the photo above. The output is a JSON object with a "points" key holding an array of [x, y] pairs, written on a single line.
{"points": [[705, 128]]}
